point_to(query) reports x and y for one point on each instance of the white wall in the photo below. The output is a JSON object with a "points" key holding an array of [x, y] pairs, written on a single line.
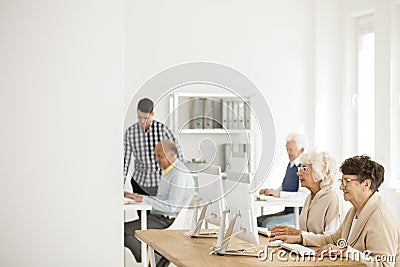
{"points": [[328, 77], [272, 42], [61, 127]]}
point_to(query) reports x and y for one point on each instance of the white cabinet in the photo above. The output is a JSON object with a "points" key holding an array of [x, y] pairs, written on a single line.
{"points": [[215, 128]]}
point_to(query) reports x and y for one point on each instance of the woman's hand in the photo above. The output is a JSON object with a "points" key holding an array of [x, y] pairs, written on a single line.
{"points": [[293, 239], [283, 230]]}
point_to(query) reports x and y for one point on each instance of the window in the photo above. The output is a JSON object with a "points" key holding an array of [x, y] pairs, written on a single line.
{"points": [[366, 86]]}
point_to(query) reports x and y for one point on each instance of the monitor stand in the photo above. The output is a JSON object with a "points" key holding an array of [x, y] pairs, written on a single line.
{"points": [[224, 238], [196, 228]]}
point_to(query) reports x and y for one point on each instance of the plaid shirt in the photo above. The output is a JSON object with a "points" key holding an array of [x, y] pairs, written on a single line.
{"points": [[141, 144]]}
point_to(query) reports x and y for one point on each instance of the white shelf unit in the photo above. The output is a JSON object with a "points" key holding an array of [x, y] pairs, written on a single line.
{"points": [[212, 131], [211, 144]]}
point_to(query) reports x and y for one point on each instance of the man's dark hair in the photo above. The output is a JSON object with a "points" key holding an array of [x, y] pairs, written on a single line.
{"points": [[145, 105]]}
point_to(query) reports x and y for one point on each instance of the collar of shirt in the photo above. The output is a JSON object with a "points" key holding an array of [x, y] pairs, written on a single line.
{"points": [[169, 168], [295, 162], [150, 127]]}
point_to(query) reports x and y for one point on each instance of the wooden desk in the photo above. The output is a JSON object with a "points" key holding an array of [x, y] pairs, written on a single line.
{"points": [[143, 224], [296, 203], [192, 252]]}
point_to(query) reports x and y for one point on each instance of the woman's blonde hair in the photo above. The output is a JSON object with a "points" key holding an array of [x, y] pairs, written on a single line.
{"points": [[323, 167]]}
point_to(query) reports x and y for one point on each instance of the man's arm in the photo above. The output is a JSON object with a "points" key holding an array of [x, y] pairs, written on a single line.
{"points": [[300, 194], [127, 152], [178, 192], [270, 192], [134, 196], [168, 135]]}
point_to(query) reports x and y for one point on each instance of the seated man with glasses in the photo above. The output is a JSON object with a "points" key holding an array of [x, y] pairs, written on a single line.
{"points": [[175, 189], [295, 144]]}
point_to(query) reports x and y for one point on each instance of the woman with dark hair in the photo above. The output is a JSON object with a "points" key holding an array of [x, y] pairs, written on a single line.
{"points": [[369, 232]]}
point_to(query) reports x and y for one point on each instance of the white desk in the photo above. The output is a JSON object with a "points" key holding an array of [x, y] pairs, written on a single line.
{"points": [[143, 224], [296, 203]]}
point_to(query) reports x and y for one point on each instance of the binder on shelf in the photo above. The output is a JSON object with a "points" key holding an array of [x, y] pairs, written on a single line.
{"points": [[247, 114], [241, 116], [217, 113], [224, 114], [230, 114], [208, 114], [235, 117], [196, 113]]}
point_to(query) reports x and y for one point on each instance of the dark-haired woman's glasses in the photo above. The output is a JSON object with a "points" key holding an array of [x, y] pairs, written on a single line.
{"points": [[347, 180]]}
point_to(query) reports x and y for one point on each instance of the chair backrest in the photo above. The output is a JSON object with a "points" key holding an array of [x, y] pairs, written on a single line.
{"points": [[184, 217]]}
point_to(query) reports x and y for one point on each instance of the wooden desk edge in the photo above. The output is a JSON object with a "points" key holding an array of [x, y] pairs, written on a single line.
{"points": [[141, 235]]}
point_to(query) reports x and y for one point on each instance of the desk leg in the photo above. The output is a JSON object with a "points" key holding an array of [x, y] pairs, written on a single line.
{"points": [[123, 240], [144, 245], [152, 257], [296, 217]]}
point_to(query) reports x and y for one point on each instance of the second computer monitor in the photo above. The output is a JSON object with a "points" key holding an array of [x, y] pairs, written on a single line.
{"points": [[240, 204]]}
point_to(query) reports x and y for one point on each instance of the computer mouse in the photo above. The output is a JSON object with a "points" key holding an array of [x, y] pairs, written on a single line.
{"points": [[275, 243]]}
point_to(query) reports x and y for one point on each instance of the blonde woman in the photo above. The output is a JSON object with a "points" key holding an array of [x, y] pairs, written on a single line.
{"points": [[323, 209]]}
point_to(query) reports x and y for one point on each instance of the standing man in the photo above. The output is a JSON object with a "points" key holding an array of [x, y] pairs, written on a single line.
{"points": [[295, 144], [175, 190], [140, 140]]}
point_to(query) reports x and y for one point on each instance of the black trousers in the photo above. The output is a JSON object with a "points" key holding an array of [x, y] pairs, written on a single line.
{"points": [[153, 222], [141, 190]]}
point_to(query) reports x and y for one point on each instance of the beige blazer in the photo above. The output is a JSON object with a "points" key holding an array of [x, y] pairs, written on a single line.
{"points": [[320, 211], [377, 230]]}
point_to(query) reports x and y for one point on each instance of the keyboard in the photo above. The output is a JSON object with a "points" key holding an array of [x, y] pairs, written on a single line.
{"points": [[129, 201], [264, 231], [299, 249]]}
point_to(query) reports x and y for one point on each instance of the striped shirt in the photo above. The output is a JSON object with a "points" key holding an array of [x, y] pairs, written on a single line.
{"points": [[141, 144]]}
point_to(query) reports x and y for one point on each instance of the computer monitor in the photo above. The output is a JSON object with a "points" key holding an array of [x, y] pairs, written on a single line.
{"points": [[209, 200], [242, 217]]}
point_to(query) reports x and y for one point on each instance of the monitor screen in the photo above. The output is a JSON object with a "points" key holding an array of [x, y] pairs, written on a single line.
{"points": [[240, 204]]}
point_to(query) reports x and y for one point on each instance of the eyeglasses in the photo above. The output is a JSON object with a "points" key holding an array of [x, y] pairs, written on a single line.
{"points": [[347, 180], [302, 168]]}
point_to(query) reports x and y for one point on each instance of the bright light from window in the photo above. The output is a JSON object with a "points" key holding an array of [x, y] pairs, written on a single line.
{"points": [[366, 87]]}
